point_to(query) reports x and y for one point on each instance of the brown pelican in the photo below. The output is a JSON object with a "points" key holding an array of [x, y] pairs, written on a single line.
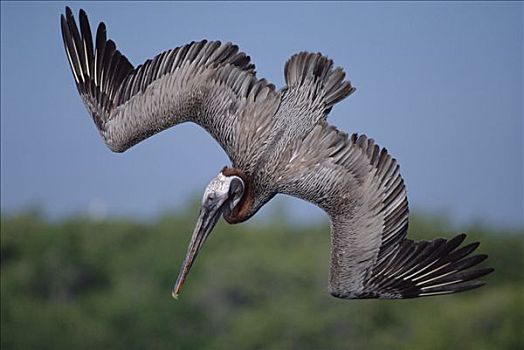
{"points": [[278, 142]]}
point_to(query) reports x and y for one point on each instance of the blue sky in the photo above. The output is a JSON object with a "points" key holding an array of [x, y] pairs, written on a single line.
{"points": [[438, 84]]}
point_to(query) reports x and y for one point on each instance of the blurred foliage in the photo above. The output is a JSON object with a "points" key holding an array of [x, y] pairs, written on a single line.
{"points": [[84, 283]]}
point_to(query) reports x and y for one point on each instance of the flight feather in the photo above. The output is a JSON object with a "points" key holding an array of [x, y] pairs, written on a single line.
{"points": [[359, 185], [206, 82]]}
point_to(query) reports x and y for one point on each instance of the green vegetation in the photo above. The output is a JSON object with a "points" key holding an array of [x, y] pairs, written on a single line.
{"points": [[87, 284]]}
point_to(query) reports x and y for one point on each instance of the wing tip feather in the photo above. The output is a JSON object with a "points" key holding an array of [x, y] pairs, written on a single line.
{"points": [[451, 270]]}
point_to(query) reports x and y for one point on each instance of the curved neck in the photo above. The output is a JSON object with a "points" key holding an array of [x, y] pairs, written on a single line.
{"points": [[243, 208]]}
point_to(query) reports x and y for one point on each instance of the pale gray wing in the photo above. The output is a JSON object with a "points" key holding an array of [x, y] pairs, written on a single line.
{"points": [[360, 187], [209, 83]]}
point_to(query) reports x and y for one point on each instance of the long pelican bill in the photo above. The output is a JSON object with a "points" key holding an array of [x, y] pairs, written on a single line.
{"points": [[209, 215], [279, 142]]}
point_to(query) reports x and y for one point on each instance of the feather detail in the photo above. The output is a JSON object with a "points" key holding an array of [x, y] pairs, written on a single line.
{"points": [[317, 72]]}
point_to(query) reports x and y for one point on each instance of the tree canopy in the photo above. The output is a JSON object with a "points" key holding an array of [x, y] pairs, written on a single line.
{"points": [[81, 283]]}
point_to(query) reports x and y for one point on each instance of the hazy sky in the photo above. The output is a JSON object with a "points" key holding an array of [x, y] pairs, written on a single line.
{"points": [[438, 84]]}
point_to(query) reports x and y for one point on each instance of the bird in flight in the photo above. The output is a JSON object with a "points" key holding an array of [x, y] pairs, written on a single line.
{"points": [[278, 141]]}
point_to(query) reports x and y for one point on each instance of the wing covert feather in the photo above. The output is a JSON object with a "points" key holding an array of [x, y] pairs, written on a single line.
{"points": [[360, 187], [355, 181], [206, 82]]}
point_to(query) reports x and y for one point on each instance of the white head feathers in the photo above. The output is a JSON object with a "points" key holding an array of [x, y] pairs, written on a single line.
{"points": [[220, 187]]}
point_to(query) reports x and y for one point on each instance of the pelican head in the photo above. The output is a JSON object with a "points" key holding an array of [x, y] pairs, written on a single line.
{"points": [[221, 196]]}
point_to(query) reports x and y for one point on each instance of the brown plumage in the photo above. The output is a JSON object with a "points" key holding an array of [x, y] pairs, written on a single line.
{"points": [[278, 142]]}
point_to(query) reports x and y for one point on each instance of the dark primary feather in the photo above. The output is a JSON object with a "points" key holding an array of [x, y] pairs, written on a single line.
{"points": [[426, 268], [98, 71], [206, 82], [360, 187], [111, 68], [282, 142]]}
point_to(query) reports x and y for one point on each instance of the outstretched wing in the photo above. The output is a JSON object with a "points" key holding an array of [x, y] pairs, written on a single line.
{"points": [[209, 83], [360, 187]]}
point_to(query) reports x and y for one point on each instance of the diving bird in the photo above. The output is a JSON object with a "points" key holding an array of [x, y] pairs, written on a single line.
{"points": [[278, 141]]}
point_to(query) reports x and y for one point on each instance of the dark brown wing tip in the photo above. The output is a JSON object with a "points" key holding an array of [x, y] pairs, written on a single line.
{"points": [[430, 268], [68, 11], [458, 274]]}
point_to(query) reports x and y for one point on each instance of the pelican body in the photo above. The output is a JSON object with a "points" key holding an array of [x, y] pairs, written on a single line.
{"points": [[278, 141]]}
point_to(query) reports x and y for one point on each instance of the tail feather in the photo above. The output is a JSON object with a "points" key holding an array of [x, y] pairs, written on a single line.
{"points": [[313, 69]]}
